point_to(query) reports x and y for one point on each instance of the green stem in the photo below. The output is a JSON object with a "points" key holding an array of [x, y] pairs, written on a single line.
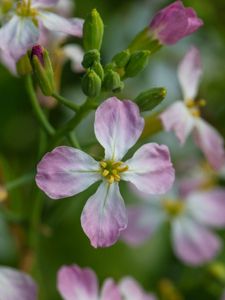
{"points": [[74, 121], [66, 102], [37, 108], [73, 140], [19, 181]]}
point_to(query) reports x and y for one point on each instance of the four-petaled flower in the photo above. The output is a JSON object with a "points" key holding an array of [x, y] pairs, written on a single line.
{"points": [[16, 285], [191, 218], [22, 31], [184, 117], [67, 171], [174, 22], [75, 283]]}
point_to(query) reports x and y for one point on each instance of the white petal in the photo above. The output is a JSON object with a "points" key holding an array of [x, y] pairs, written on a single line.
{"points": [[75, 53], [189, 73]]}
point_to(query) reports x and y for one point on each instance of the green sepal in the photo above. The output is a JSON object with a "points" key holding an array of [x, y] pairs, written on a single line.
{"points": [[122, 58], [93, 31], [23, 66], [112, 81], [151, 98], [137, 63], [91, 84], [90, 58]]}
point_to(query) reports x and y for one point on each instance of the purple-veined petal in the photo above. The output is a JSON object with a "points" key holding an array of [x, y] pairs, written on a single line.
{"points": [[193, 243], [16, 285], [118, 125], [54, 22], [189, 73], [150, 169], [66, 171], [17, 36], [104, 215], [75, 283], [177, 118], [210, 142], [110, 291], [75, 53], [208, 207], [174, 22], [131, 290], [143, 221], [44, 3]]}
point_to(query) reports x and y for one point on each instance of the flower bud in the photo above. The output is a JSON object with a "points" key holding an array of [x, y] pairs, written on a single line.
{"points": [[150, 99], [97, 67], [112, 81], [138, 61], [91, 84], [23, 66], [174, 22], [43, 71], [93, 31], [90, 58], [122, 58]]}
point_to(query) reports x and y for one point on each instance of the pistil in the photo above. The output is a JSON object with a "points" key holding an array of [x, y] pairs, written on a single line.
{"points": [[111, 170]]}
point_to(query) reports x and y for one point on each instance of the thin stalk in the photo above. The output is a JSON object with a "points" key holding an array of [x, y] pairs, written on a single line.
{"points": [[37, 108], [66, 102]]}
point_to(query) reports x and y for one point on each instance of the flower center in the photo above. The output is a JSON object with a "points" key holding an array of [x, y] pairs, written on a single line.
{"points": [[194, 106], [111, 170], [24, 9], [173, 208]]}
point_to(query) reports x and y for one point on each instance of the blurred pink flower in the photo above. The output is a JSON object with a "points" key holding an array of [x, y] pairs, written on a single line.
{"points": [[67, 171], [174, 22], [75, 283], [184, 117], [190, 218], [22, 31], [16, 285]]}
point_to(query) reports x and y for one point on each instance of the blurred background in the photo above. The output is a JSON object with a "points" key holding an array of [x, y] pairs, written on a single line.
{"points": [[61, 239]]}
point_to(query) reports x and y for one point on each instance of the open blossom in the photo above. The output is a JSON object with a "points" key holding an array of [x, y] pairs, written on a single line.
{"points": [[174, 22], [16, 285], [22, 31], [184, 117], [67, 171], [75, 283], [191, 221]]}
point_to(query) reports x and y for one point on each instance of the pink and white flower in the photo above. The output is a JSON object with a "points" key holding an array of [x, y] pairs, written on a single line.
{"points": [[191, 222], [75, 283], [16, 285], [66, 171], [184, 117], [22, 31], [174, 22]]}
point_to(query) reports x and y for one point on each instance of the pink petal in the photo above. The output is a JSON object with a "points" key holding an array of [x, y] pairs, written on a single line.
{"points": [[110, 291], [17, 36], [143, 221], [8, 61], [131, 290], [189, 73], [104, 216], [208, 207], [150, 169], [174, 22], [194, 243], [44, 3], [75, 283], [75, 53], [54, 22], [210, 142], [118, 125], [65, 172], [177, 118], [16, 285]]}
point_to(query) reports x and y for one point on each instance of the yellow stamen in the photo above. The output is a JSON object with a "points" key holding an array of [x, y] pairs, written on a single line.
{"points": [[105, 173], [111, 170], [173, 208]]}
